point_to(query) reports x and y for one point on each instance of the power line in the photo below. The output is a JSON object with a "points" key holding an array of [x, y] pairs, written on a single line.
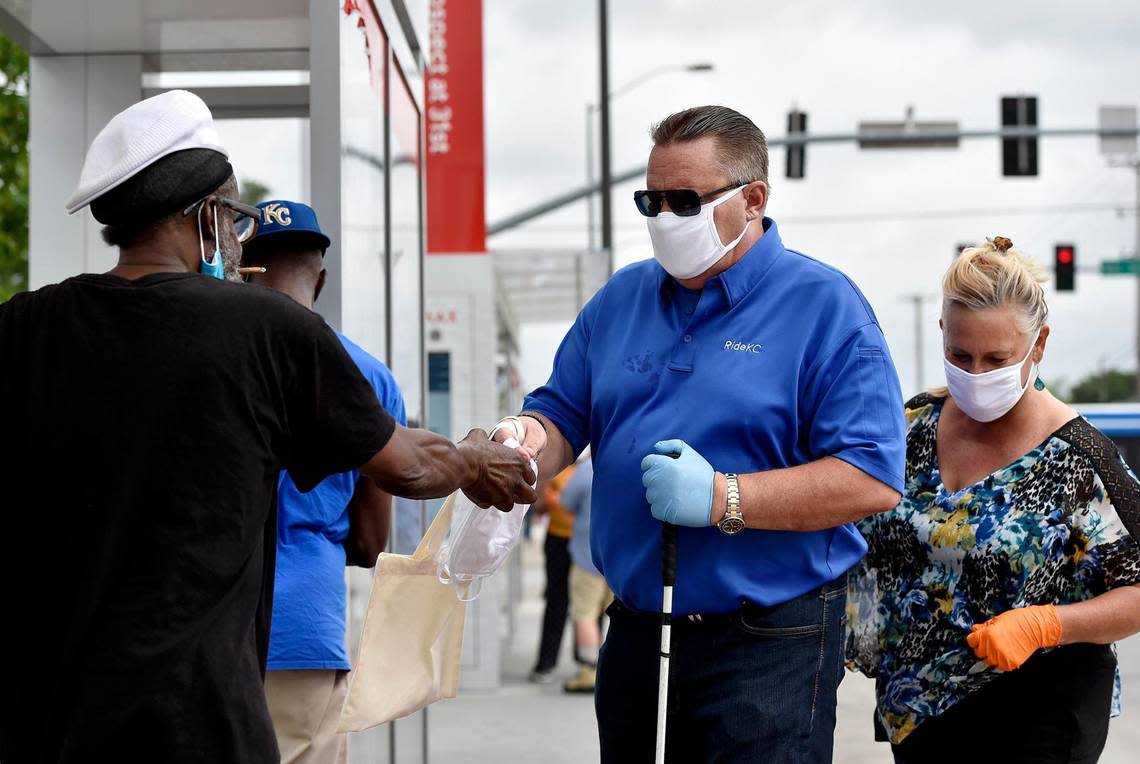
{"points": [[1075, 208]]}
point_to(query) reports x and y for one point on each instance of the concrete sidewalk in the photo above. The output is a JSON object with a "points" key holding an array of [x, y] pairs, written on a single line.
{"points": [[522, 722]]}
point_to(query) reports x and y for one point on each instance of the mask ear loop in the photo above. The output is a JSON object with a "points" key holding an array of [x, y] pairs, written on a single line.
{"points": [[217, 238], [712, 220], [201, 239]]}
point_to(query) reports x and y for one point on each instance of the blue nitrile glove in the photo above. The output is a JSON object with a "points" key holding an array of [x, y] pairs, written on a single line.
{"points": [[679, 491]]}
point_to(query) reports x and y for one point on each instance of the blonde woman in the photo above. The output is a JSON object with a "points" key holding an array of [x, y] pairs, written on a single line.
{"points": [[989, 598]]}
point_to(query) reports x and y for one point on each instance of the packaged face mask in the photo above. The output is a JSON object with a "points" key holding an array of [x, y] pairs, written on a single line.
{"points": [[480, 541]]}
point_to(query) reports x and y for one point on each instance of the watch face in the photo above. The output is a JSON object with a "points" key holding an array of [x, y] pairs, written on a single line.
{"points": [[730, 526]]}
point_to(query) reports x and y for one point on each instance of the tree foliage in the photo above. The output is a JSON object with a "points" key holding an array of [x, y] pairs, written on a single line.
{"points": [[253, 191], [1104, 387], [13, 169]]}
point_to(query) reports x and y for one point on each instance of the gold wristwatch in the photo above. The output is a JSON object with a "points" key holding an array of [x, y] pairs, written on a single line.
{"points": [[733, 521]]}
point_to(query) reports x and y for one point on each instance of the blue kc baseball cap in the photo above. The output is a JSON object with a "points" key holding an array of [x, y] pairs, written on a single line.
{"points": [[287, 224]]}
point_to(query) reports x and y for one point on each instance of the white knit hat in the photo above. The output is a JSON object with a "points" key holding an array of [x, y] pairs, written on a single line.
{"points": [[140, 135]]}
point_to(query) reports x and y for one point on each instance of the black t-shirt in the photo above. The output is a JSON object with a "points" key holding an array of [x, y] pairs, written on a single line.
{"points": [[144, 425]]}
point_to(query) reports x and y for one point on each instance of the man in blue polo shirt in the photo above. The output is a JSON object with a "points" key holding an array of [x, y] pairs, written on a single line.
{"points": [[346, 518], [765, 373]]}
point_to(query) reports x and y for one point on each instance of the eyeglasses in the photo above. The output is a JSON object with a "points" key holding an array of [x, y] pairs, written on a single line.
{"points": [[682, 201], [246, 216]]}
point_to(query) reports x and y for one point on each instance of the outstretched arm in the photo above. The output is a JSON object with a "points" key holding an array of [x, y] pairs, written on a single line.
{"points": [[419, 464]]}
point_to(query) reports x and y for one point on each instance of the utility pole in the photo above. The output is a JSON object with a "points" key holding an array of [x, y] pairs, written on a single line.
{"points": [[604, 111], [918, 300], [591, 223]]}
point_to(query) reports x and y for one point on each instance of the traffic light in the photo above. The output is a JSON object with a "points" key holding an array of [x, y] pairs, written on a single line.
{"points": [[1019, 155], [796, 152], [1065, 267]]}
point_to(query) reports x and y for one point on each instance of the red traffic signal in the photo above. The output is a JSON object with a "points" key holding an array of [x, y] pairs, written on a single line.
{"points": [[1065, 267]]}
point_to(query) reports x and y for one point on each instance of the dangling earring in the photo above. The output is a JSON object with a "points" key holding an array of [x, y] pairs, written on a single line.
{"points": [[1039, 384]]}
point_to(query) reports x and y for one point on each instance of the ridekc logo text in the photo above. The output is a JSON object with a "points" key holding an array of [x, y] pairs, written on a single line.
{"points": [[743, 347]]}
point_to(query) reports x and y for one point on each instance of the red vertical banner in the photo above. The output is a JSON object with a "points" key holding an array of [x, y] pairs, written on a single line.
{"points": [[453, 104]]}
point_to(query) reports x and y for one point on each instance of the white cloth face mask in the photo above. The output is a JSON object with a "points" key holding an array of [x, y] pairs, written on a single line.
{"points": [[689, 246], [990, 395]]}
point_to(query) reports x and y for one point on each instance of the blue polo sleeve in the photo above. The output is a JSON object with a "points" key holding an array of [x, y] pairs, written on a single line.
{"points": [[856, 408], [565, 398]]}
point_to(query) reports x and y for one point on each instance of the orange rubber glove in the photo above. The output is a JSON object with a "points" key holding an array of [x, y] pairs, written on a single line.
{"points": [[1007, 640]]}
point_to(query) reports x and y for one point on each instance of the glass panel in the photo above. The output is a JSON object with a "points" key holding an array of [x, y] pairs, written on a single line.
{"points": [[276, 169], [364, 256], [407, 244], [406, 258], [363, 64]]}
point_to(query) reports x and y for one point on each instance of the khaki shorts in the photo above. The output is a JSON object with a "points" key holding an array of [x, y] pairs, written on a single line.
{"points": [[589, 594], [305, 707]]}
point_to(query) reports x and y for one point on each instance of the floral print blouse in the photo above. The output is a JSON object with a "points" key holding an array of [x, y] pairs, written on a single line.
{"points": [[1060, 524]]}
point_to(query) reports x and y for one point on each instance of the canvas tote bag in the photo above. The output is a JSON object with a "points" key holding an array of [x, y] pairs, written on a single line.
{"points": [[412, 637]]}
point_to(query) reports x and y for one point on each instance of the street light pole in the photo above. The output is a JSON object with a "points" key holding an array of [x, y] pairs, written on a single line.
{"points": [[591, 183], [918, 300], [604, 110], [591, 232]]}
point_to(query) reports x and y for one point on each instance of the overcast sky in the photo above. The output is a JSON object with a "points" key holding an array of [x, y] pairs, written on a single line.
{"points": [[890, 219], [857, 210]]}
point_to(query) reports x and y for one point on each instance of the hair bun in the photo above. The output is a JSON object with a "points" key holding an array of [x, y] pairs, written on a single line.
{"points": [[1001, 244]]}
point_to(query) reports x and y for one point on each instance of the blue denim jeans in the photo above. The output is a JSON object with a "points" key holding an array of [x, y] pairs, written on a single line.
{"points": [[756, 685]]}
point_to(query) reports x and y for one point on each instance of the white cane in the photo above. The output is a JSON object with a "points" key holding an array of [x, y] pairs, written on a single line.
{"points": [[668, 578]]}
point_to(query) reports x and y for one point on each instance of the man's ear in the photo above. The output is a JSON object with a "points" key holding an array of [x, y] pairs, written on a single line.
{"points": [[320, 284], [755, 199]]}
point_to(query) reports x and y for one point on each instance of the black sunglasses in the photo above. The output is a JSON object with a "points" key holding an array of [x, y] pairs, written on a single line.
{"points": [[682, 201], [246, 216]]}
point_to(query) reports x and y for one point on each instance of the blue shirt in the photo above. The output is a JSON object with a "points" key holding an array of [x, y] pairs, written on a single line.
{"points": [[777, 362], [309, 598], [575, 497]]}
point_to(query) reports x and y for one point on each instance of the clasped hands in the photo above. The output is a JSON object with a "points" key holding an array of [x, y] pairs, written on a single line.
{"points": [[500, 476]]}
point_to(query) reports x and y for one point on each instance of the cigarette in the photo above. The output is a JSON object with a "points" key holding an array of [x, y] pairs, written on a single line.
{"points": [[248, 271]]}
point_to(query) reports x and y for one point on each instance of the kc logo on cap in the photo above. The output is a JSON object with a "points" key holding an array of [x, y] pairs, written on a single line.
{"points": [[276, 213], [289, 224]]}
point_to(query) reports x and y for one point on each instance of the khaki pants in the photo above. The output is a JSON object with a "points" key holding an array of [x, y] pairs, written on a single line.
{"points": [[305, 708]]}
